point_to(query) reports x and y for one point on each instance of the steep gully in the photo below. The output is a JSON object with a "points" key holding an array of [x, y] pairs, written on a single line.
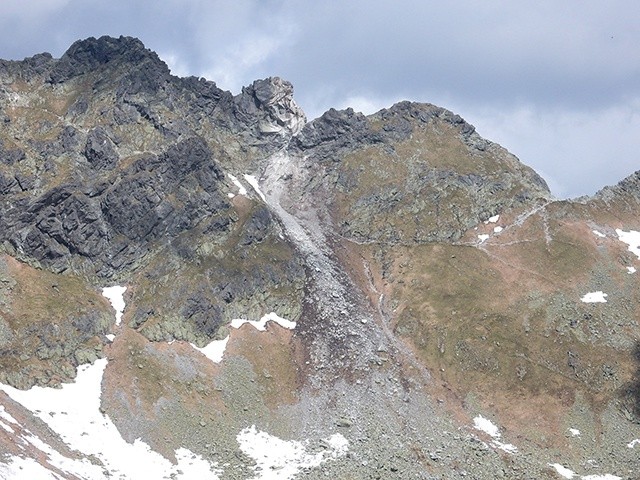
{"points": [[353, 331]]}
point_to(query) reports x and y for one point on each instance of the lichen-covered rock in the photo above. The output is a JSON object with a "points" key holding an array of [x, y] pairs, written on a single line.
{"points": [[413, 173]]}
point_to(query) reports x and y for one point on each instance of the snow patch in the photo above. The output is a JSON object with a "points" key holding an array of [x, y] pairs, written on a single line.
{"points": [[574, 432], [278, 459], [236, 182], [73, 413], [507, 447], [594, 297], [253, 181], [598, 234], [487, 426], [606, 476], [115, 295], [483, 237], [111, 337], [215, 350], [562, 471], [497, 229], [631, 270], [261, 324], [493, 219], [633, 443], [631, 238]]}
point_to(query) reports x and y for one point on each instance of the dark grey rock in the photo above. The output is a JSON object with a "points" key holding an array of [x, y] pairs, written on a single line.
{"points": [[99, 150], [86, 56], [11, 156]]}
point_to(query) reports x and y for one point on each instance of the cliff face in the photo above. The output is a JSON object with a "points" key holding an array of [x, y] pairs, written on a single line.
{"points": [[431, 277]]}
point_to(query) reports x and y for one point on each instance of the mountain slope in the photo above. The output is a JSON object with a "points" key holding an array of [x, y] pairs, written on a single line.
{"points": [[389, 296]]}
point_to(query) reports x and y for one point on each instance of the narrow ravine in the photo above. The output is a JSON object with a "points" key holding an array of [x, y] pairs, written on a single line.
{"points": [[347, 328]]}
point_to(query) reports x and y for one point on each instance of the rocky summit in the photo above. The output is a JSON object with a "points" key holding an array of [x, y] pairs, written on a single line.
{"points": [[201, 285]]}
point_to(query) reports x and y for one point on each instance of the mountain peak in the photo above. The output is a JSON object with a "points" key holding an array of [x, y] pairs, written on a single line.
{"points": [[92, 53], [272, 96]]}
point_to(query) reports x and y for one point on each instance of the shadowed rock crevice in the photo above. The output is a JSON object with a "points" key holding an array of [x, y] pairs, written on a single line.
{"points": [[630, 393]]}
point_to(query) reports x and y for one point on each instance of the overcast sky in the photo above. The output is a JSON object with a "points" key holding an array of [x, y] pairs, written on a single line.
{"points": [[557, 83]]}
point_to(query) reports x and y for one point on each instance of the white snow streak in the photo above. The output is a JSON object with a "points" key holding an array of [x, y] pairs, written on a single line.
{"points": [[631, 238], [598, 234], [278, 459], [631, 270], [633, 443], [73, 413], [487, 426], [574, 432], [6, 420], [261, 324], [253, 181], [115, 296], [594, 297], [562, 471], [606, 476], [483, 237], [236, 182]]}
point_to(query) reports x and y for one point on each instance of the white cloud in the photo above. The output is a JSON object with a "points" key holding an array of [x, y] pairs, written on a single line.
{"points": [[231, 69]]}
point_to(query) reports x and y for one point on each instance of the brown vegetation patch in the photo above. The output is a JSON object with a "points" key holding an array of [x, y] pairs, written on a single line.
{"points": [[276, 356]]}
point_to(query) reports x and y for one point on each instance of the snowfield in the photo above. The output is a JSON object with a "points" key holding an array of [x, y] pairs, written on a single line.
{"points": [[277, 459], [594, 297], [73, 412]]}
